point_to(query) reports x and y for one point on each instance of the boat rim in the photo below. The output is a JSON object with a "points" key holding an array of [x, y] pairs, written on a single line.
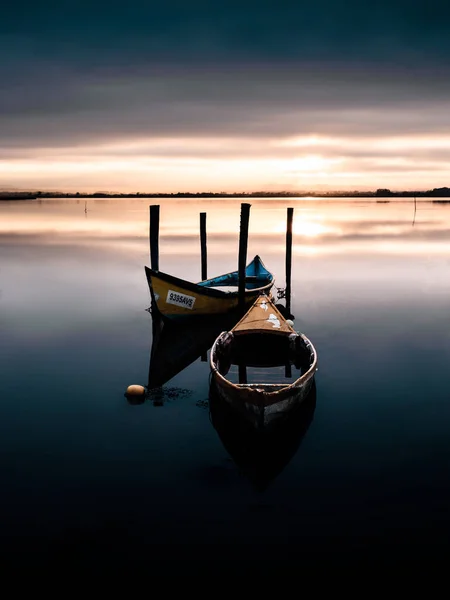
{"points": [[204, 290], [302, 379]]}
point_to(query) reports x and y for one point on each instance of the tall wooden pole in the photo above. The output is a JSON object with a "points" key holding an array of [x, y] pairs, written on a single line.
{"points": [[203, 245], [243, 242], [204, 356], [154, 237], [290, 213]]}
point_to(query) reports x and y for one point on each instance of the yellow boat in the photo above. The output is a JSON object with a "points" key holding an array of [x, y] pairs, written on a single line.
{"points": [[175, 298]]}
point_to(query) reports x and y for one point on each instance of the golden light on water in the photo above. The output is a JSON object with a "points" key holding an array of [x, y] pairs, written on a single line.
{"points": [[306, 227], [318, 227], [309, 228]]}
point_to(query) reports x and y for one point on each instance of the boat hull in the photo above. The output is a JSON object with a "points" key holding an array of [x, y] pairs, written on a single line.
{"points": [[175, 298], [262, 408]]}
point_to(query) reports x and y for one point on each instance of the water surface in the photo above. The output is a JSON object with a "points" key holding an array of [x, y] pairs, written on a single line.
{"points": [[90, 479]]}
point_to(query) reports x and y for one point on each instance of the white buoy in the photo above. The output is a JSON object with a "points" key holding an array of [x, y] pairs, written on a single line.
{"points": [[290, 322]]}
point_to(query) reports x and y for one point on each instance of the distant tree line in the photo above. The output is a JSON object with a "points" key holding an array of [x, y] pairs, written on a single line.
{"points": [[443, 192]]}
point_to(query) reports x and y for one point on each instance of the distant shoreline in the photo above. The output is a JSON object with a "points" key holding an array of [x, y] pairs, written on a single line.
{"points": [[380, 193]]}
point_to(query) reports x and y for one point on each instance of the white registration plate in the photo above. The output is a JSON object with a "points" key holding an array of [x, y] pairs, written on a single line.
{"points": [[180, 299]]}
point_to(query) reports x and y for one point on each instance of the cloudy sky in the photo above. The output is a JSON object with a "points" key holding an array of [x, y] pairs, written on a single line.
{"points": [[146, 96]]}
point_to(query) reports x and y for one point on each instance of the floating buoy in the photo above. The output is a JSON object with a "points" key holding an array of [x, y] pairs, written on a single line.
{"points": [[135, 394], [135, 390], [290, 322]]}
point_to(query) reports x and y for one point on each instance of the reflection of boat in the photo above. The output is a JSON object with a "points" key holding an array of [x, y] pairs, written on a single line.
{"points": [[175, 298], [260, 454], [264, 341], [176, 345]]}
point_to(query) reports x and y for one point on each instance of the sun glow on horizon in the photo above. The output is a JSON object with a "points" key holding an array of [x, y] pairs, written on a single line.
{"points": [[232, 164]]}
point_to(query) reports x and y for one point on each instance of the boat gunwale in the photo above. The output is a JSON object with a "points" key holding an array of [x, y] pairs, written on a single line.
{"points": [[205, 290], [256, 387]]}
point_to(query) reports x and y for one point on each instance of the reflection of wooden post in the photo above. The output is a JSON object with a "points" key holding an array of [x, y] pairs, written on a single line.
{"points": [[242, 373], [288, 370], [157, 328], [243, 241], [290, 213], [203, 245], [154, 237]]}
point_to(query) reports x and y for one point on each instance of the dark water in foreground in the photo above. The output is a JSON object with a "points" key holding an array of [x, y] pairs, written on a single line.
{"points": [[88, 479]]}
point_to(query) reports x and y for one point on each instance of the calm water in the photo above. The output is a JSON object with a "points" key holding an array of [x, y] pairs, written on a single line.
{"points": [[89, 479]]}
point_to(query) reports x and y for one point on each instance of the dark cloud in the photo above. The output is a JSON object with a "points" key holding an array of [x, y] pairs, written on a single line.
{"points": [[69, 107], [82, 73], [180, 31]]}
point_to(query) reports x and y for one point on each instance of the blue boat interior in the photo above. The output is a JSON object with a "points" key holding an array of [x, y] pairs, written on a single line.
{"points": [[256, 276]]}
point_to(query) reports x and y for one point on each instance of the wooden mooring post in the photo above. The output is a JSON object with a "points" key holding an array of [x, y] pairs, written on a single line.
{"points": [[243, 242], [203, 245], [290, 214], [154, 237], [203, 250]]}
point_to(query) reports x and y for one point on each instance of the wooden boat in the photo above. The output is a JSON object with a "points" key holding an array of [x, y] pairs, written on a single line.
{"points": [[264, 341], [175, 298], [260, 454]]}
